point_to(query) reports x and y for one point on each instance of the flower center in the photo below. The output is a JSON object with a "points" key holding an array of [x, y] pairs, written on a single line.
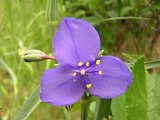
{"points": [[85, 68], [83, 71]]}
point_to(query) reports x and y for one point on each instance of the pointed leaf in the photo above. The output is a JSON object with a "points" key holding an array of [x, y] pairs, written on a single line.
{"points": [[133, 105], [32, 102]]}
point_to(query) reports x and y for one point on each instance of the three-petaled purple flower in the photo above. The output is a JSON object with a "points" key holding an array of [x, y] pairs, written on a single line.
{"points": [[76, 46]]}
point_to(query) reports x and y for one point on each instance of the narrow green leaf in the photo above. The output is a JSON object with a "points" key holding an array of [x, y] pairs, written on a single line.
{"points": [[9, 14], [148, 64], [52, 10], [118, 18], [126, 18], [52, 15], [31, 103], [102, 108], [152, 64]]}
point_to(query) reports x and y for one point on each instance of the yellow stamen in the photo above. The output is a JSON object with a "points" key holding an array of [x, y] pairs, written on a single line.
{"points": [[87, 63], [100, 72], [98, 62], [74, 74], [88, 85], [80, 63]]}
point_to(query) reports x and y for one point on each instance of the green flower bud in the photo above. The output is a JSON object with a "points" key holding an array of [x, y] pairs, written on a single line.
{"points": [[100, 53], [35, 56]]}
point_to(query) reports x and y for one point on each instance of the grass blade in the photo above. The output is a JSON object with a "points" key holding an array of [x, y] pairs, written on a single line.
{"points": [[52, 15], [29, 106], [12, 74], [126, 18], [119, 18]]}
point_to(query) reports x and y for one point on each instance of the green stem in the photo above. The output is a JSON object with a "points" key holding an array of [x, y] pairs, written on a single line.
{"points": [[13, 106], [102, 108], [84, 107]]}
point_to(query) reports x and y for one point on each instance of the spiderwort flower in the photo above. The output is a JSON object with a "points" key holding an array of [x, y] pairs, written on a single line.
{"points": [[76, 45]]}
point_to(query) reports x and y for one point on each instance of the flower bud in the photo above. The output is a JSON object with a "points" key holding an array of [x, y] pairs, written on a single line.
{"points": [[35, 56], [100, 53]]}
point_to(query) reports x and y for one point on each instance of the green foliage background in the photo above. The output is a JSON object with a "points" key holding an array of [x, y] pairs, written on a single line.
{"points": [[24, 25]]}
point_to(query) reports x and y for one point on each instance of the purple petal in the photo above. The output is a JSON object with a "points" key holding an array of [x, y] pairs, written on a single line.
{"points": [[75, 41], [114, 81], [58, 87]]}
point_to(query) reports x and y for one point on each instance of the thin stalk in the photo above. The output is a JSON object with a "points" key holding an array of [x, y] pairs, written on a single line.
{"points": [[13, 106], [126, 18], [84, 107]]}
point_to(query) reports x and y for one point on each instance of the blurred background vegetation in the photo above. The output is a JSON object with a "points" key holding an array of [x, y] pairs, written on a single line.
{"points": [[24, 25]]}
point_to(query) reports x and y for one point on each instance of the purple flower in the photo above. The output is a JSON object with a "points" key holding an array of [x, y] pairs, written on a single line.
{"points": [[76, 45]]}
